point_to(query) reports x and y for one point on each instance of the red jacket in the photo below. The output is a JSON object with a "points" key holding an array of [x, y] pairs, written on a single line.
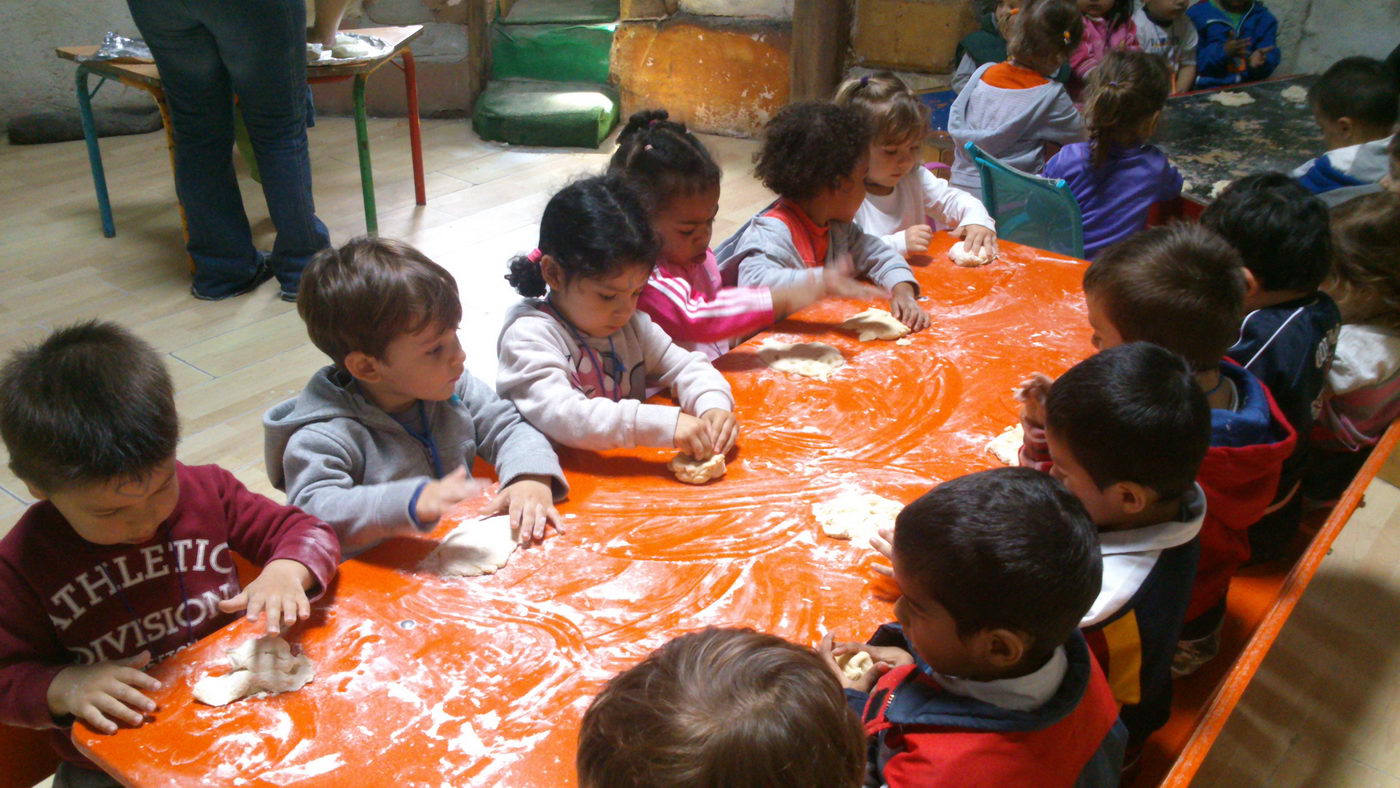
{"points": [[66, 601]]}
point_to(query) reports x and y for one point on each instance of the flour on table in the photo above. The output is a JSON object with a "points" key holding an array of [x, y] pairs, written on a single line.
{"points": [[875, 324], [1219, 187], [959, 254], [474, 548], [855, 664], [1297, 94], [693, 471], [1230, 98], [904, 341], [856, 515], [1007, 446], [808, 359], [260, 665]]}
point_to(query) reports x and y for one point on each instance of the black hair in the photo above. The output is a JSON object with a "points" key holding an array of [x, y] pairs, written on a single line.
{"points": [[1008, 548], [92, 402], [810, 147], [390, 287], [1279, 228], [592, 228], [1132, 413], [1360, 88], [1044, 33], [1120, 13], [662, 159], [722, 708], [1180, 286]]}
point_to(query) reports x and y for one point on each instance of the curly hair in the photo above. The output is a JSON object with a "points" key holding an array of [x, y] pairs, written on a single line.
{"points": [[895, 114], [1125, 92], [809, 147], [1365, 277], [662, 159]]}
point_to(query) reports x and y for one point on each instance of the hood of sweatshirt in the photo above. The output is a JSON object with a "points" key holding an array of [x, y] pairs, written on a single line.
{"points": [[1247, 449]]}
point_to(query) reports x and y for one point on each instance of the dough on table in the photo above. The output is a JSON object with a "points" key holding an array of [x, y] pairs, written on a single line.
{"points": [[472, 549], [1231, 98], [349, 47], [264, 664], [1219, 187], [808, 359], [1297, 94], [693, 471], [856, 516], [959, 254], [904, 341], [875, 324], [855, 664], [1007, 446]]}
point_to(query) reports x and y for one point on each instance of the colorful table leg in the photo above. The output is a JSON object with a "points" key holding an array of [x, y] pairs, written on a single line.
{"points": [[366, 171], [99, 177], [415, 132]]}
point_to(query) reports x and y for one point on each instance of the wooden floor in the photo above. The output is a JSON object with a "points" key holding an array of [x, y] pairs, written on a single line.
{"points": [[1323, 711]]}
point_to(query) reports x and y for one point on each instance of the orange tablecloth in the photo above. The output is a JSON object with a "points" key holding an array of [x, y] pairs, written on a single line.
{"points": [[423, 681]]}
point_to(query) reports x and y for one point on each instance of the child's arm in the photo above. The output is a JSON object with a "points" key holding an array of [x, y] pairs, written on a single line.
{"points": [[874, 258], [1063, 124], [535, 375], [1212, 59], [1171, 184], [964, 73], [690, 317], [1264, 55], [961, 211], [701, 390]]}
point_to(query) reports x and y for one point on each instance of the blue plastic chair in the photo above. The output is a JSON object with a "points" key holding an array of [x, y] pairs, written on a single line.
{"points": [[1029, 209]]}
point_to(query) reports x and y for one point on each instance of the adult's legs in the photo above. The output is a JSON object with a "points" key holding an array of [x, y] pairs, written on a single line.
{"points": [[262, 45], [198, 91]]}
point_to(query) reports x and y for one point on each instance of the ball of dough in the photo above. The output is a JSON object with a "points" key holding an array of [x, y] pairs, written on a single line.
{"points": [[693, 471], [959, 254], [472, 549], [808, 359], [855, 665], [875, 324], [856, 515], [1297, 94], [260, 665], [1007, 446]]}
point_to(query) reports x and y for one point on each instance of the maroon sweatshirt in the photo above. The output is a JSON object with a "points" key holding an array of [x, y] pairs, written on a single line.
{"points": [[65, 600]]}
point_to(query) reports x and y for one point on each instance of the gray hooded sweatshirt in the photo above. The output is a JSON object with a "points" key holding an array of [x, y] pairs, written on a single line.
{"points": [[762, 254], [1011, 124], [555, 381], [345, 460]]}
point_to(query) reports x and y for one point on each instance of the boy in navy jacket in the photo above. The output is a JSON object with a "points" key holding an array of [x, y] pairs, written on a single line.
{"points": [[1238, 42]]}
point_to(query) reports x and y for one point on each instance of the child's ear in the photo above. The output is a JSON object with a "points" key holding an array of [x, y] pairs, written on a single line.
{"points": [[1002, 649], [1252, 288], [553, 272], [1133, 497], [1345, 126], [362, 366]]}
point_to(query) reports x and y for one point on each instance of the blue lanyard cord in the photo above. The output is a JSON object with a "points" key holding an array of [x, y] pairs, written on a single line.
{"points": [[426, 438], [614, 374], [131, 610]]}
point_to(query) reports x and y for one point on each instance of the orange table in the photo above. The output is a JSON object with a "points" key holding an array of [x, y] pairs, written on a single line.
{"points": [[423, 681]]}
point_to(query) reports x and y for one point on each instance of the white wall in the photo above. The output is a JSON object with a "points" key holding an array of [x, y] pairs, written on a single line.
{"points": [[35, 78], [1313, 34]]}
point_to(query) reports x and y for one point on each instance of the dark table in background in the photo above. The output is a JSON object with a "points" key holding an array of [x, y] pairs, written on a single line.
{"points": [[1209, 142]]}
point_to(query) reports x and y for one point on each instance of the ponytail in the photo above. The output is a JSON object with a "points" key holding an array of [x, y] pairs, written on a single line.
{"points": [[1125, 92], [662, 159], [526, 277]]}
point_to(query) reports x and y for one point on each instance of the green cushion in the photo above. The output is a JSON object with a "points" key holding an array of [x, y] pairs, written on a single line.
{"points": [[550, 114], [544, 12], [557, 53]]}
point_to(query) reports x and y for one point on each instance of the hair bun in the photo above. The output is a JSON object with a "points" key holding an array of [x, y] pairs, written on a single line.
{"points": [[640, 121]]}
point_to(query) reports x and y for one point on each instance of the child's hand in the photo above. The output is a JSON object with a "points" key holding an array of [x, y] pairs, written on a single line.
{"points": [[1258, 57], [96, 694], [439, 496], [830, 650], [530, 501], [693, 437], [724, 430], [279, 590], [917, 239], [1032, 393], [905, 307], [883, 542], [1236, 47], [977, 239], [839, 281]]}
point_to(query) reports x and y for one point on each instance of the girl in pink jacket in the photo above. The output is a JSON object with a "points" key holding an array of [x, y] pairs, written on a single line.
{"points": [[679, 182], [1108, 25]]}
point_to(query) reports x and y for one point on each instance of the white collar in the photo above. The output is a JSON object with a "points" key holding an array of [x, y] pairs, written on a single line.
{"points": [[1022, 693], [1129, 555]]}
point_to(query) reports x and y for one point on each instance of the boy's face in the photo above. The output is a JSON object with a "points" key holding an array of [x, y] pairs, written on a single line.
{"points": [[847, 198], [118, 511], [597, 307], [1105, 506], [422, 365], [685, 225], [1105, 333], [931, 630], [891, 161], [1166, 10]]}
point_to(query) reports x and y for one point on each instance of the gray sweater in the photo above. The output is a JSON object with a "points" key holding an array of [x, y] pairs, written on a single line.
{"points": [[1011, 124], [554, 382], [345, 460], [762, 254]]}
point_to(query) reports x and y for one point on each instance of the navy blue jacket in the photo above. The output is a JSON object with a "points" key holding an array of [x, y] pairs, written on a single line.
{"points": [[1214, 28]]}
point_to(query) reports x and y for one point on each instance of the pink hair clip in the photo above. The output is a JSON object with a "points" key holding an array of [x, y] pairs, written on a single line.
{"points": [[535, 255], [647, 146]]}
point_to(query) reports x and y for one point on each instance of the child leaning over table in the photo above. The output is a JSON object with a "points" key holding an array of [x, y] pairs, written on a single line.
{"points": [[381, 442], [125, 559]]}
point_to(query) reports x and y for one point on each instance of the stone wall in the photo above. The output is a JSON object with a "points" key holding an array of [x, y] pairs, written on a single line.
{"points": [[910, 35]]}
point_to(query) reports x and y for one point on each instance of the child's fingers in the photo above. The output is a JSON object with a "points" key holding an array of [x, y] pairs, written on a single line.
{"points": [[881, 569], [110, 708], [234, 604], [273, 608], [303, 607], [132, 697], [256, 604], [291, 611], [94, 717]]}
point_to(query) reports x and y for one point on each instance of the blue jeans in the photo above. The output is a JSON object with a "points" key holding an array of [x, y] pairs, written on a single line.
{"points": [[208, 51]]}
